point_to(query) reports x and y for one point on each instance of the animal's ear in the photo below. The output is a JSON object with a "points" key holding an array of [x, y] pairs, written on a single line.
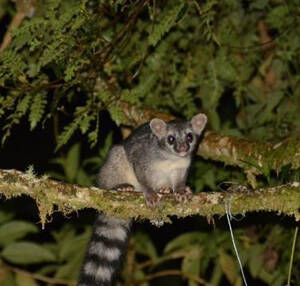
{"points": [[198, 123], [158, 127]]}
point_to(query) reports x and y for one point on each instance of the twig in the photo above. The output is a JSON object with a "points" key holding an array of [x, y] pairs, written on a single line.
{"points": [[151, 262], [121, 33], [174, 272], [25, 8], [38, 276], [15, 22], [292, 256]]}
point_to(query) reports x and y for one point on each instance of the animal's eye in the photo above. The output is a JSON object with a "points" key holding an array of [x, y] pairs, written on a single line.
{"points": [[189, 137], [171, 139]]}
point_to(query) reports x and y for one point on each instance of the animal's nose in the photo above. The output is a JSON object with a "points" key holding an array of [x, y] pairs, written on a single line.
{"points": [[182, 148]]}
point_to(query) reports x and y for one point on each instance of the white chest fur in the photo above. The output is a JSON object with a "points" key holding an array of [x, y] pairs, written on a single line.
{"points": [[168, 173], [172, 164]]}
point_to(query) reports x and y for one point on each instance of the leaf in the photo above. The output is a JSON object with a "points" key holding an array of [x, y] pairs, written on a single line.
{"points": [[216, 275], [71, 269], [27, 253], [56, 175], [83, 178], [23, 104], [85, 123], [166, 22], [228, 267], [255, 260], [191, 263], [25, 280], [140, 275], [144, 245], [72, 162], [74, 245], [37, 109], [210, 179], [267, 276], [5, 216], [48, 269], [103, 151], [67, 133], [59, 161], [93, 137], [117, 114], [279, 17], [214, 120], [185, 240], [95, 161], [15, 230], [69, 244], [225, 70]]}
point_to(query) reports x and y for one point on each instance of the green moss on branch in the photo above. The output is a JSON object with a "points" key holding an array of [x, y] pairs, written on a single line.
{"points": [[283, 199]]}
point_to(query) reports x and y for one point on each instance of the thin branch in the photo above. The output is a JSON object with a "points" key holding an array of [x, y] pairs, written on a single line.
{"points": [[174, 272], [250, 154], [36, 276], [292, 256], [15, 22], [25, 8]]}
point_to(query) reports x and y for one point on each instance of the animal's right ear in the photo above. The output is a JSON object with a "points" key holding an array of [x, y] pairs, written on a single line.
{"points": [[199, 122], [158, 127]]}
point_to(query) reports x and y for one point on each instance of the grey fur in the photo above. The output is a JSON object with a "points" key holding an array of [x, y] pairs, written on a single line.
{"points": [[149, 161]]}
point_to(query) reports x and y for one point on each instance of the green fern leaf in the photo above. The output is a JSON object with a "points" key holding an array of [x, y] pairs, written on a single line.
{"points": [[68, 132], [37, 109], [166, 22], [23, 104], [84, 124], [93, 136]]}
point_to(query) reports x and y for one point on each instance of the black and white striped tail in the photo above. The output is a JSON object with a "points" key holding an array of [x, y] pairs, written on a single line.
{"points": [[108, 244]]}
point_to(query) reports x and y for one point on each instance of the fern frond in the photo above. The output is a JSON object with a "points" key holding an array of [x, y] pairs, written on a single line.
{"points": [[37, 109], [69, 130], [167, 20], [85, 123], [93, 136], [23, 104]]}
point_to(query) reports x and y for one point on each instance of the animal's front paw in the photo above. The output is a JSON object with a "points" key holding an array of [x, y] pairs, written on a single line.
{"points": [[152, 199], [124, 188], [183, 195], [165, 190]]}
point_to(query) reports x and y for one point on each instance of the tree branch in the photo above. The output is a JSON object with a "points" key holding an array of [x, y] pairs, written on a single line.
{"points": [[249, 154], [25, 8], [283, 199]]}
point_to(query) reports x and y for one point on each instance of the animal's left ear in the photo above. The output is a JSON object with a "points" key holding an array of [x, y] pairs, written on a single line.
{"points": [[198, 123], [158, 127]]}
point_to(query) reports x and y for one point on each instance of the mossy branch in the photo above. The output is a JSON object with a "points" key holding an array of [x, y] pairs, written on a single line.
{"points": [[67, 198], [249, 154]]}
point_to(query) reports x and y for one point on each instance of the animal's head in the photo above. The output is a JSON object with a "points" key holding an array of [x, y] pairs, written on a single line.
{"points": [[179, 137]]}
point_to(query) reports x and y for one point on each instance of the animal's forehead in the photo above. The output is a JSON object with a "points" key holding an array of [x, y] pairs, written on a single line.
{"points": [[178, 126]]}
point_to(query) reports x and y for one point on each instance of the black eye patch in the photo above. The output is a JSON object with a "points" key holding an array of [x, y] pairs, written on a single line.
{"points": [[189, 137], [171, 139]]}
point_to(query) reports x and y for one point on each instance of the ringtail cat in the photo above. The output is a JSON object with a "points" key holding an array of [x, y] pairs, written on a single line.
{"points": [[154, 158]]}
